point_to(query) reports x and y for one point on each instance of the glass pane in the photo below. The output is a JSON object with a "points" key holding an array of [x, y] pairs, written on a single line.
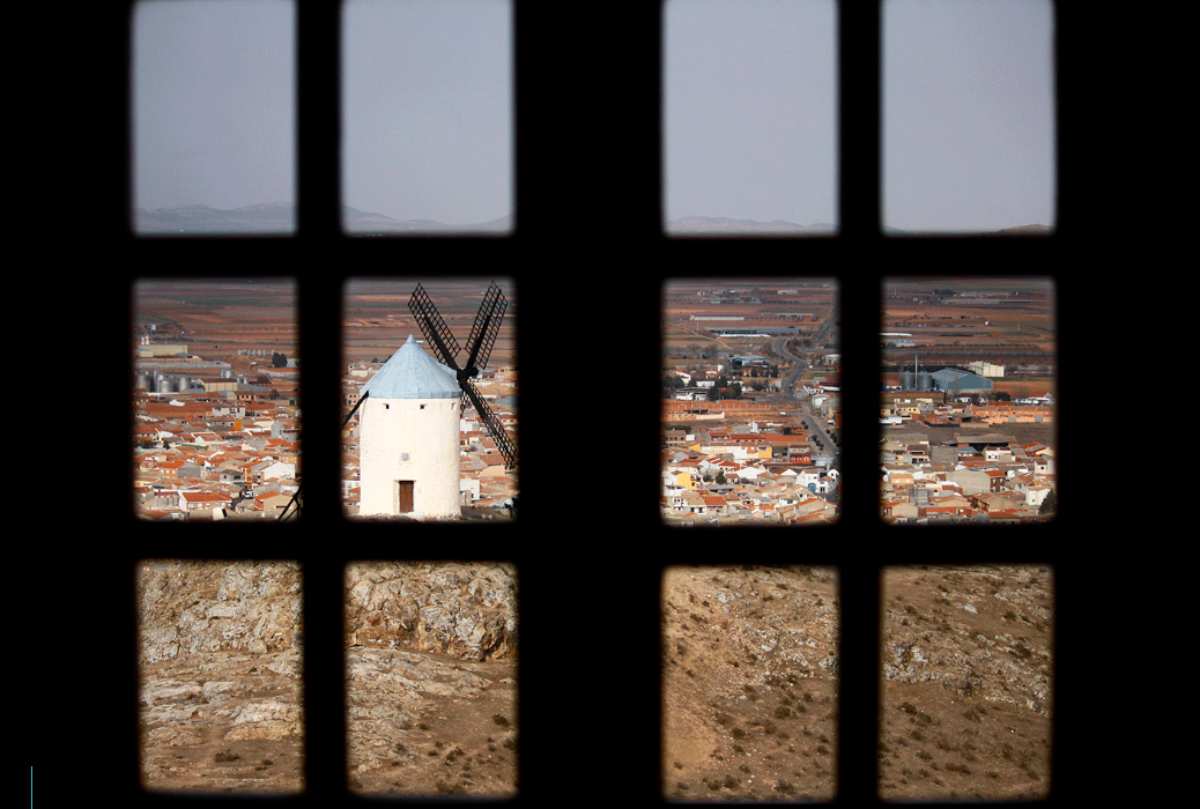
{"points": [[968, 119], [751, 402], [750, 682], [750, 120], [216, 399], [966, 683], [968, 400], [427, 117], [214, 117], [430, 672], [220, 701], [432, 429]]}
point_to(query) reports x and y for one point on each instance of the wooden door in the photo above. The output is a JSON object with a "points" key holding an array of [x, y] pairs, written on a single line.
{"points": [[404, 496]]}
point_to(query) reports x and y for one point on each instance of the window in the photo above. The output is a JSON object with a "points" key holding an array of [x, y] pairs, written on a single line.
{"points": [[588, 257]]}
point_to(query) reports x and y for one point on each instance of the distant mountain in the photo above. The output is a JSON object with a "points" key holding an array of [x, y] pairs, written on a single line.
{"points": [[272, 217], [1017, 230], [280, 217], [722, 224], [1026, 229], [366, 223]]}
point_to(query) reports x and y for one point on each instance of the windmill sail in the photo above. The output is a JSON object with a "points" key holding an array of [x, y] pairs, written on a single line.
{"points": [[503, 443], [433, 327], [485, 329]]}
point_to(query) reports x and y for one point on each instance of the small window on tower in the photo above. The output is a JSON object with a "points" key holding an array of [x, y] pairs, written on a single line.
{"points": [[422, 407]]}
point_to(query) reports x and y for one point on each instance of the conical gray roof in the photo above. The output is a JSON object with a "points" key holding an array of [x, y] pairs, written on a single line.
{"points": [[410, 373]]}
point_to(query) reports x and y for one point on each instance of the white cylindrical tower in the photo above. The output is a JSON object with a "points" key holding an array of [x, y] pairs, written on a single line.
{"points": [[408, 439]]}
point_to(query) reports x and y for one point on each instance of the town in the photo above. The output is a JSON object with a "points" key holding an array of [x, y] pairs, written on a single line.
{"points": [[968, 403], [377, 325], [751, 406], [215, 401]]}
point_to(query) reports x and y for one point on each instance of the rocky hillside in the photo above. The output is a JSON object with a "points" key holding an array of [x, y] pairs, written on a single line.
{"points": [[430, 666], [431, 675], [220, 689], [750, 683], [966, 664]]}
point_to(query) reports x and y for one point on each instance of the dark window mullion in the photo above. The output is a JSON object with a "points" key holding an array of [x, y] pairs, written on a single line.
{"points": [[860, 308], [859, 118], [318, 222], [318, 118]]}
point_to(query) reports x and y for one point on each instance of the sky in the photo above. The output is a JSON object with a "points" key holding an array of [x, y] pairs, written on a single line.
{"points": [[750, 109], [214, 103], [750, 115], [968, 114], [428, 109]]}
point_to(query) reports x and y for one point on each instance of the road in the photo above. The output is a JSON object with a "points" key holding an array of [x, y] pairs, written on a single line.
{"points": [[821, 439]]}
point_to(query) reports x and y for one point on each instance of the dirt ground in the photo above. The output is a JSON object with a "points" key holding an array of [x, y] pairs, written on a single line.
{"points": [[222, 721], [966, 699], [750, 683], [425, 724]]}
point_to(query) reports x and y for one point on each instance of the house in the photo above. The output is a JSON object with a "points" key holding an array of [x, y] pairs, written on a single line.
{"points": [[272, 503], [200, 501]]}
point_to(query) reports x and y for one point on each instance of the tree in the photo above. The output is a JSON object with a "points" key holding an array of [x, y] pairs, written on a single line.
{"points": [[721, 477], [278, 360]]}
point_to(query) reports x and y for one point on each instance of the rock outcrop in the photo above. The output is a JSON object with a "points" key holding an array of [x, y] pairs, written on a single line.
{"points": [[220, 676], [190, 607], [466, 611]]}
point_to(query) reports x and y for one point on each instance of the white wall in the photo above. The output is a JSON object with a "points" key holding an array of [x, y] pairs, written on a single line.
{"points": [[389, 428]]}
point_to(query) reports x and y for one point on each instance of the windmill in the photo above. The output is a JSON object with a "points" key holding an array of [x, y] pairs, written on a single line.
{"points": [[408, 440]]}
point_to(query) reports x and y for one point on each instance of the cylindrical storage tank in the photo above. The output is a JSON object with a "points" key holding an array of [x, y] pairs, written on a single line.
{"points": [[906, 380], [408, 439], [924, 381]]}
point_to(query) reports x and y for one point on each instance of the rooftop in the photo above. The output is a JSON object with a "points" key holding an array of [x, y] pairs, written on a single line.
{"points": [[410, 373]]}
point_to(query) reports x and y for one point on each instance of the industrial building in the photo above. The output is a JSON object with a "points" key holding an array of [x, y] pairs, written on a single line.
{"points": [[988, 369], [956, 380], [948, 380]]}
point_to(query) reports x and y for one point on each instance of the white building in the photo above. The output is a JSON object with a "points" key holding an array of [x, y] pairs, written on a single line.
{"points": [[408, 439]]}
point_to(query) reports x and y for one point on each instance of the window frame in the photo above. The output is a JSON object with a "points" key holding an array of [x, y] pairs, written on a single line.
{"points": [[568, 81]]}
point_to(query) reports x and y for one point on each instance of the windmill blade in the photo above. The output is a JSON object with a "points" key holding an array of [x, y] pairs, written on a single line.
{"points": [[433, 327], [505, 444], [354, 409], [486, 327], [289, 512]]}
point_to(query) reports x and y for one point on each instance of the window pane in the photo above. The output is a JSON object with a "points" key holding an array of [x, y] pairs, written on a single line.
{"points": [[424, 444], [750, 682], [427, 121], [220, 677], [431, 671], [968, 400], [966, 682], [968, 133], [216, 400], [750, 116], [214, 116], [751, 402]]}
